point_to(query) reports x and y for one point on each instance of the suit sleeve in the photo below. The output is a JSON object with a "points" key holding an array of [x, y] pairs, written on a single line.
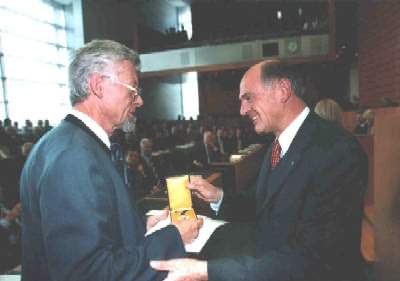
{"points": [[81, 231], [331, 211], [238, 206]]}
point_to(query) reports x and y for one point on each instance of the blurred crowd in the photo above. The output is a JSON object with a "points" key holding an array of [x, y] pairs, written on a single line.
{"points": [[15, 145], [157, 149], [13, 137]]}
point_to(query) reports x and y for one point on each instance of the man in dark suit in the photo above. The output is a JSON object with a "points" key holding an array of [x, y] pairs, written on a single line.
{"points": [[308, 200], [78, 220], [205, 152]]}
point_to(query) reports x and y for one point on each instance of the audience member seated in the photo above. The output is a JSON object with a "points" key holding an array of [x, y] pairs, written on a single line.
{"points": [[160, 141], [9, 237], [152, 168], [10, 170], [365, 124], [132, 140], [239, 142], [27, 131], [26, 149], [9, 139], [225, 145], [175, 138], [206, 152], [47, 127], [140, 178], [190, 136], [16, 127], [39, 129], [330, 110], [11, 130]]}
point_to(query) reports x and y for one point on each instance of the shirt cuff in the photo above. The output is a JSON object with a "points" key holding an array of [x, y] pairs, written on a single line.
{"points": [[215, 206]]}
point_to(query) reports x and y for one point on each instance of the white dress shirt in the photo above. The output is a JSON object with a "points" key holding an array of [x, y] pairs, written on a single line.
{"points": [[285, 140], [287, 136]]}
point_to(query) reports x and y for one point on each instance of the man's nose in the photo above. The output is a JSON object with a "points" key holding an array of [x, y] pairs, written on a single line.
{"points": [[139, 101], [243, 109]]}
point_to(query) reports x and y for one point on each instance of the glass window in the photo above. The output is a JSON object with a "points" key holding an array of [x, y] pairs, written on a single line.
{"points": [[33, 40]]}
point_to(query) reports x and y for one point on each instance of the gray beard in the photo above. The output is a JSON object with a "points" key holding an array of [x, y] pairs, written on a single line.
{"points": [[129, 125]]}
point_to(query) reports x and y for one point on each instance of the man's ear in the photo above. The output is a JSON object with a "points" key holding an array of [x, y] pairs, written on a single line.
{"points": [[95, 85], [286, 89]]}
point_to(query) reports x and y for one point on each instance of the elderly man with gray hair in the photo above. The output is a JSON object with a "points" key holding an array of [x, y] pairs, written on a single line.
{"points": [[78, 221]]}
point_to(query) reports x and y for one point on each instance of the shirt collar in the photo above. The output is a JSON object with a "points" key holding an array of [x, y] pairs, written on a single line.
{"points": [[287, 136], [92, 125]]}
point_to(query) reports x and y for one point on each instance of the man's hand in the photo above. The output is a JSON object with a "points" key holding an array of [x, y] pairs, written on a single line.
{"points": [[189, 229], [153, 220], [182, 269], [204, 190]]}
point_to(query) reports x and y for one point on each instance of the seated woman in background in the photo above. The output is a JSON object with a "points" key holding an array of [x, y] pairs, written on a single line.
{"points": [[330, 110]]}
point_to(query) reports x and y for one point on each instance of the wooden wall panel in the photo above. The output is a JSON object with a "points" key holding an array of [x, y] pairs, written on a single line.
{"points": [[383, 149], [379, 51]]}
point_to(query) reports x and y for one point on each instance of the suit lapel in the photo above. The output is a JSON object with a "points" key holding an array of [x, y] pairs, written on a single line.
{"points": [[273, 181], [263, 177], [74, 120], [278, 176]]}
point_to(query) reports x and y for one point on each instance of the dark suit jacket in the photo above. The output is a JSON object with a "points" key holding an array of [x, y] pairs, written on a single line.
{"points": [[307, 211], [78, 221], [200, 155]]}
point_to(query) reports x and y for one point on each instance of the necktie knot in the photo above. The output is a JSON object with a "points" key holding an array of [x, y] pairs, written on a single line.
{"points": [[276, 153]]}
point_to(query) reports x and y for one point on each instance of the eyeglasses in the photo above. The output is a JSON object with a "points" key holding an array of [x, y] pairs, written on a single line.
{"points": [[135, 92]]}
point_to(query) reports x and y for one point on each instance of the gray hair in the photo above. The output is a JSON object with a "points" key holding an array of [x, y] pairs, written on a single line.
{"points": [[94, 57], [144, 141]]}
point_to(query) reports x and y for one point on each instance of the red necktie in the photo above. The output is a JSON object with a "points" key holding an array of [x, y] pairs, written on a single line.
{"points": [[276, 153]]}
